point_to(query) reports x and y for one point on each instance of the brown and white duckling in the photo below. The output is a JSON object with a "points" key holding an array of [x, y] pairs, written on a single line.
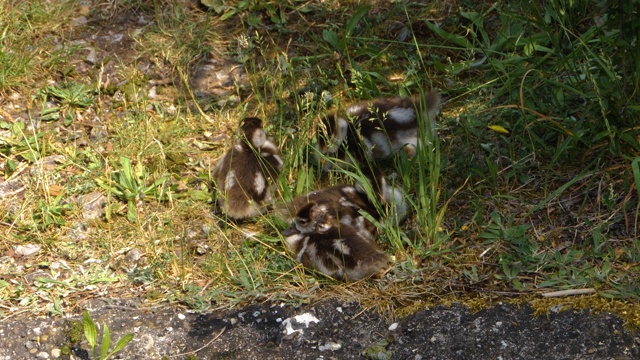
{"points": [[245, 174], [341, 203], [379, 128], [351, 205], [333, 248]]}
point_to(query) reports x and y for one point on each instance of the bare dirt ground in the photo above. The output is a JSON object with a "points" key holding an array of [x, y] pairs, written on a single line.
{"points": [[327, 330]]}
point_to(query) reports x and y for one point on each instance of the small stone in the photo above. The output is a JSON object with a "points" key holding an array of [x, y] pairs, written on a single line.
{"points": [[79, 21], [58, 264], [393, 326], [181, 317], [202, 248], [191, 234], [92, 57], [42, 355], [12, 187], [133, 257], [79, 231], [55, 353], [116, 38], [93, 205], [330, 345], [27, 250], [153, 93]]}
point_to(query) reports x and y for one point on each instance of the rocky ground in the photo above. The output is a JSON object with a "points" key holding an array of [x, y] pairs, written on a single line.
{"points": [[326, 330]]}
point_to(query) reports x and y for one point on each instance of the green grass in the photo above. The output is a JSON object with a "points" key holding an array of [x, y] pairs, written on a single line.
{"points": [[532, 184]]}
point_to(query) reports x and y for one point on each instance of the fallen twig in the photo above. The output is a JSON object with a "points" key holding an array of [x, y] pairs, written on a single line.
{"points": [[569, 292]]}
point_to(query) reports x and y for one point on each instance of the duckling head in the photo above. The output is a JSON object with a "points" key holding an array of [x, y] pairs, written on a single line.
{"points": [[313, 217], [253, 132]]}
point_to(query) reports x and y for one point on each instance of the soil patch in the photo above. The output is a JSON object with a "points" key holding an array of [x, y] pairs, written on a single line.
{"points": [[327, 330]]}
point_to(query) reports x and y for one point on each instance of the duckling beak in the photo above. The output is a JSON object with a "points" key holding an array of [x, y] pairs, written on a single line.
{"points": [[290, 230]]}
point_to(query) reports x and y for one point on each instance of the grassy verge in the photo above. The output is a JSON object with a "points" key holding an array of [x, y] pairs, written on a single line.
{"points": [[531, 186]]}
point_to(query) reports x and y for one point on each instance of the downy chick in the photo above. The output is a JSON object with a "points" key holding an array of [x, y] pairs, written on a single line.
{"points": [[245, 174], [346, 204], [333, 248], [379, 128], [342, 203]]}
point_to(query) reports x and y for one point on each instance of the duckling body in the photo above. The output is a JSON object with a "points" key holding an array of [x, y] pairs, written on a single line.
{"points": [[334, 248], [245, 174], [342, 204], [357, 205], [379, 128]]}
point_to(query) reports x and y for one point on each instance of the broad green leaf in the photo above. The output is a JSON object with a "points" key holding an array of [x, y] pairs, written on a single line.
{"points": [[90, 331], [17, 128], [10, 167], [132, 213], [360, 12], [253, 20], [200, 195], [227, 14], [120, 344], [456, 39], [106, 342], [216, 5], [331, 38]]}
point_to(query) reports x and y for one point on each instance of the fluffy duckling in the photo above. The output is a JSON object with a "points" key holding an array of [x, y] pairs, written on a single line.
{"points": [[379, 128], [333, 248], [347, 204], [245, 174], [342, 204]]}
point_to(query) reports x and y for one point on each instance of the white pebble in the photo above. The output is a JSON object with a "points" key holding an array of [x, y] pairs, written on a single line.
{"points": [[330, 345]]}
